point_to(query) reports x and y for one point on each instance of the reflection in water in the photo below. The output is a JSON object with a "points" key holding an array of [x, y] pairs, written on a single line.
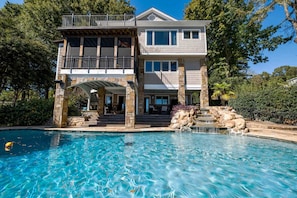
{"points": [[27, 141]]}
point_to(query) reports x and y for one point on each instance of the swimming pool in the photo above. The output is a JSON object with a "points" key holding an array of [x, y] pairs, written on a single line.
{"points": [[60, 164]]}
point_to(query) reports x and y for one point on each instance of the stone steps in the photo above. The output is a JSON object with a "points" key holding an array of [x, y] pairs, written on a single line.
{"points": [[147, 120]]}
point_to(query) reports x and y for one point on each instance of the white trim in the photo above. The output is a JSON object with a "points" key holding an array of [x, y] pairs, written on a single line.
{"points": [[97, 71], [156, 12], [161, 87], [161, 30], [191, 34], [161, 61], [205, 39], [193, 87], [176, 54]]}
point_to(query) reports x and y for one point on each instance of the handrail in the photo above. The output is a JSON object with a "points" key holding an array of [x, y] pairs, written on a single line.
{"points": [[91, 62], [98, 20]]}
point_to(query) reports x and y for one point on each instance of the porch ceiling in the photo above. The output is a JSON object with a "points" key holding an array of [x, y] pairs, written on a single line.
{"points": [[109, 86]]}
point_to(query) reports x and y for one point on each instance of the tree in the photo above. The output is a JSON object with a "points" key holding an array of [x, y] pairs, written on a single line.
{"points": [[234, 37], [24, 61], [290, 9], [222, 92], [285, 73]]}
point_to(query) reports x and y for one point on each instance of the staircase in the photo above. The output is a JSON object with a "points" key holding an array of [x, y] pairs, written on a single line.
{"points": [[148, 120]]}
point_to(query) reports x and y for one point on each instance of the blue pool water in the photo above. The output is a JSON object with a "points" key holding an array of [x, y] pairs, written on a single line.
{"points": [[54, 164]]}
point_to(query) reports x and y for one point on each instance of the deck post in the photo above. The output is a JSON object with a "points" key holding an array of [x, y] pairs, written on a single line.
{"points": [[60, 113], [130, 101]]}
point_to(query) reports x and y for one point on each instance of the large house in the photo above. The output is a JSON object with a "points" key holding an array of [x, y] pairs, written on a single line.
{"points": [[131, 64]]}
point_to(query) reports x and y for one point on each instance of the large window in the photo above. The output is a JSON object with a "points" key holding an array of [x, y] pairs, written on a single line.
{"points": [[161, 37], [162, 100], [157, 66], [191, 34]]}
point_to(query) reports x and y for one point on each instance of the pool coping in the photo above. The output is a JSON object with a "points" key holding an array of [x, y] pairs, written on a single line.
{"points": [[266, 133]]}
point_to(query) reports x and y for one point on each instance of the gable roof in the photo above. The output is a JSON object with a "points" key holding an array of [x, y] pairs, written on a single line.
{"points": [[154, 12]]}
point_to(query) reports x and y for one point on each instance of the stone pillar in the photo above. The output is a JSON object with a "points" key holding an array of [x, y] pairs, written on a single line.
{"points": [[141, 87], [101, 100], [130, 102], [60, 113], [115, 102], [181, 94], [204, 98]]}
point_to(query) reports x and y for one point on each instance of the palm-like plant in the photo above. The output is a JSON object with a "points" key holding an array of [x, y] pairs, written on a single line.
{"points": [[222, 92]]}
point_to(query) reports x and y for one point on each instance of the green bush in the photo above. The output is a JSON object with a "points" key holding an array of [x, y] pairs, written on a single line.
{"points": [[275, 103], [27, 113]]}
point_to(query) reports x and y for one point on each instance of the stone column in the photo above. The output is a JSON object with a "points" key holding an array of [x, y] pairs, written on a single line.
{"points": [[60, 113], [101, 100], [115, 102], [204, 98], [130, 102], [181, 94], [141, 87]]}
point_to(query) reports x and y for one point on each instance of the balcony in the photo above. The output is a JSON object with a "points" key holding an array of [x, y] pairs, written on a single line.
{"points": [[98, 65], [89, 20]]}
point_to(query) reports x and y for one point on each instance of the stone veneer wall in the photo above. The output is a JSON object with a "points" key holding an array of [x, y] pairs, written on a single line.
{"points": [[181, 94], [60, 113], [204, 98]]}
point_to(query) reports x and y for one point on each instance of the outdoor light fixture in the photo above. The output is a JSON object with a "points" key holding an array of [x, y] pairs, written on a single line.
{"points": [[59, 82]]}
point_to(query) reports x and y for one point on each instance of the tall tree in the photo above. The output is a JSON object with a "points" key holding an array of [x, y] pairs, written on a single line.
{"points": [[290, 9], [23, 61], [234, 37]]}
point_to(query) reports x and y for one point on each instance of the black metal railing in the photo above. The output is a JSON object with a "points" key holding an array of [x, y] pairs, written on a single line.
{"points": [[98, 62], [98, 20]]}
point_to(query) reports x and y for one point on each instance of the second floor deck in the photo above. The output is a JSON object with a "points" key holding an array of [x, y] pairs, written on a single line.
{"points": [[106, 21]]}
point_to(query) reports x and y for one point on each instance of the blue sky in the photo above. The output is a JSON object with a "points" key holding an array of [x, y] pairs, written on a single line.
{"points": [[283, 55]]}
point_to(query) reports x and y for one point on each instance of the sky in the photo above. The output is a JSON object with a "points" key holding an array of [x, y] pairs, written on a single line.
{"points": [[284, 55]]}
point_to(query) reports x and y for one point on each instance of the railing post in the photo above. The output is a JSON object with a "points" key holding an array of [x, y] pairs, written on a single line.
{"points": [[124, 19], [107, 19], [106, 61], [123, 64], [72, 19], [89, 64], [71, 62], [89, 19]]}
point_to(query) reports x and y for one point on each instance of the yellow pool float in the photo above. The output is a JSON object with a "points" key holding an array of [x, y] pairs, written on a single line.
{"points": [[8, 146]]}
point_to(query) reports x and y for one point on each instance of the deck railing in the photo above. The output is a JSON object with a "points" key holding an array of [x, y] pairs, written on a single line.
{"points": [[98, 20], [98, 62]]}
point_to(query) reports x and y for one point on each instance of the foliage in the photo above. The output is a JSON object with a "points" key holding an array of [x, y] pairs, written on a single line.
{"points": [[24, 62], [235, 37], [222, 92], [290, 10], [267, 97], [27, 113]]}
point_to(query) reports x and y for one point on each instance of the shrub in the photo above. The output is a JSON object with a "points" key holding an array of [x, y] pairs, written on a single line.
{"points": [[275, 103], [27, 113]]}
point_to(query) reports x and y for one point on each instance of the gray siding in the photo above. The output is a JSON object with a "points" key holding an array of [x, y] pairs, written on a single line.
{"points": [[193, 74], [161, 78]]}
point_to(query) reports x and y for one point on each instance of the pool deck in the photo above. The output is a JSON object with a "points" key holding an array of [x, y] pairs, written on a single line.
{"points": [[256, 129]]}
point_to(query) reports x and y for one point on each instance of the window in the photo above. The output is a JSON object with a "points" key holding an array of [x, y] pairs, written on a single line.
{"points": [[173, 66], [191, 34], [165, 66], [161, 100], [161, 37], [148, 66], [157, 66]]}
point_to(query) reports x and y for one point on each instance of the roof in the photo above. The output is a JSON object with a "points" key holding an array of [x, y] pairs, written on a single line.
{"points": [[154, 12]]}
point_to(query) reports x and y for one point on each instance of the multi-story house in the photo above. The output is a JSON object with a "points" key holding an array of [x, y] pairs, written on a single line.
{"points": [[131, 64]]}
